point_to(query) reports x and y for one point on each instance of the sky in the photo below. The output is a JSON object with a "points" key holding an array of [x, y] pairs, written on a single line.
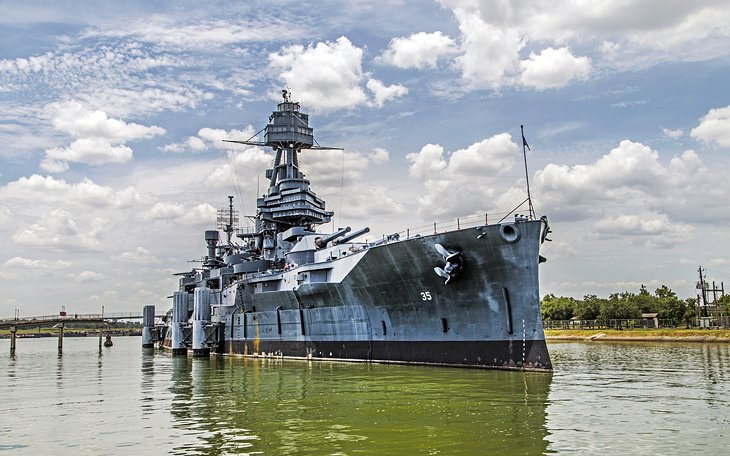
{"points": [[113, 115]]}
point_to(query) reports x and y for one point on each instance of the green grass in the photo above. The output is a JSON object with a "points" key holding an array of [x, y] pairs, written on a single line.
{"points": [[661, 333]]}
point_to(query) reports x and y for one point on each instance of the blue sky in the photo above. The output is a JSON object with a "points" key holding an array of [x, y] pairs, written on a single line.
{"points": [[112, 117]]}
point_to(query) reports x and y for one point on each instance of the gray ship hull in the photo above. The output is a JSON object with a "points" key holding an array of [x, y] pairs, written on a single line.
{"points": [[468, 297], [390, 305]]}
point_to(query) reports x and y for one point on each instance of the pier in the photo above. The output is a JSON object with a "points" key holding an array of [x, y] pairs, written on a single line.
{"points": [[60, 320]]}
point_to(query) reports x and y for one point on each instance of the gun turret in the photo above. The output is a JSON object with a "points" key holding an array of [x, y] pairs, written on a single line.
{"points": [[321, 242], [352, 236]]}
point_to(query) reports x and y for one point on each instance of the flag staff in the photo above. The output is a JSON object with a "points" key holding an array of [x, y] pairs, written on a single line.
{"points": [[527, 177]]}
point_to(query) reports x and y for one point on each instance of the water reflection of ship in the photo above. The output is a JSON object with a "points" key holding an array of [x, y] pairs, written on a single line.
{"points": [[283, 407]]}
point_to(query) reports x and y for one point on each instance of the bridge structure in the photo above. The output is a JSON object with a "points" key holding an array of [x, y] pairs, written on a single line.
{"points": [[60, 320]]}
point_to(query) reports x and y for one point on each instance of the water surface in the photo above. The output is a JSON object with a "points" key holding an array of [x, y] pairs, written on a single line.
{"points": [[653, 398]]}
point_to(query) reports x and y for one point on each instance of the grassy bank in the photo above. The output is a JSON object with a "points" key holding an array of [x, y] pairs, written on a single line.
{"points": [[673, 334]]}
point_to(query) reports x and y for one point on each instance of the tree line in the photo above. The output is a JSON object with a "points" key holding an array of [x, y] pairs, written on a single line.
{"points": [[625, 305]]}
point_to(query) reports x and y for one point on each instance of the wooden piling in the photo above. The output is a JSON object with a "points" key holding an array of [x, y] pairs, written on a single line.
{"points": [[13, 331], [60, 339]]}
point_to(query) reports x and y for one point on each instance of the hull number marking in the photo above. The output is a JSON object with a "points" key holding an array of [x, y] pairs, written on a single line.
{"points": [[426, 296]]}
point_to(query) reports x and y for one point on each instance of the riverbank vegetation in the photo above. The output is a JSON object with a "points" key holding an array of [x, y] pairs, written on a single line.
{"points": [[71, 329], [624, 306]]}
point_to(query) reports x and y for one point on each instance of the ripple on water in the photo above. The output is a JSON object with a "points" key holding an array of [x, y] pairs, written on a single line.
{"points": [[632, 398]]}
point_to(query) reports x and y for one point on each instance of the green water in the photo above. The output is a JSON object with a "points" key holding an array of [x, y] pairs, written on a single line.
{"points": [[618, 398]]}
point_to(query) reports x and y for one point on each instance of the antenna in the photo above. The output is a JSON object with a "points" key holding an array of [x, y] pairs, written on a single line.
{"points": [[527, 175], [227, 219]]}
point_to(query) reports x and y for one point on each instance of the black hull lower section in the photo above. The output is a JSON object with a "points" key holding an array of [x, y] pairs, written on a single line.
{"points": [[504, 354]]}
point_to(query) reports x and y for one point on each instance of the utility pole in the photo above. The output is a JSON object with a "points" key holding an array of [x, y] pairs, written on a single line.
{"points": [[703, 292]]}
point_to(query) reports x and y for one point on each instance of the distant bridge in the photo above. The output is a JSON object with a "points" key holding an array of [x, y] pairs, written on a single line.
{"points": [[60, 320], [50, 320]]}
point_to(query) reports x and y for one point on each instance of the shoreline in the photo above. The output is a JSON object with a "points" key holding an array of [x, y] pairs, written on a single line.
{"points": [[637, 335], [27, 334]]}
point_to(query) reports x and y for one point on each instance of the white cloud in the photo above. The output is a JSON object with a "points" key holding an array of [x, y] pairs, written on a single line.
{"points": [[242, 169], [633, 193], [630, 191], [629, 103], [427, 162], [217, 136], [129, 196], [673, 134], [163, 211], [326, 76], [625, 173], [332, 167], [472, 171], [383, 93], [200, 214], [418, 50], [203, 34], [140, 255], [5, 215], [33, 64], [489, 54], [621, 36], [53, 166], [92, 151], [365, 204], [100, 139], [490, 156], [493, 155], [714, 127], [329, 76], [109, 76], [80, 122], [192, 143], [50, 190], [212, 137], [43, 265], [718, 262], [553, 68], [86, 276], [59, 232], [20, 132], [379, 155], [652, 229]]}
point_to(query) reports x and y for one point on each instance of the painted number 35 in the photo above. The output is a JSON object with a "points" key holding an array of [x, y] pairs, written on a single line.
{"points": [[426, 296]]}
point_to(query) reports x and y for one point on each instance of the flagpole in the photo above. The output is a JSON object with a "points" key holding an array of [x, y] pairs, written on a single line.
{"points": [[527, 175]]}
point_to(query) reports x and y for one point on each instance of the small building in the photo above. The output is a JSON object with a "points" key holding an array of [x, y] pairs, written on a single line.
{"points": [[649, 320]]}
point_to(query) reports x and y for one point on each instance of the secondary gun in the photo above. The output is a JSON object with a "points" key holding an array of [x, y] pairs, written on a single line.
{"points": [[352, 235], [321, 242]]}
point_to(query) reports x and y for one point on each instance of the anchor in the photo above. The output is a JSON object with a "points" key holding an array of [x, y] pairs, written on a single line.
{"points": [[454, 263]]}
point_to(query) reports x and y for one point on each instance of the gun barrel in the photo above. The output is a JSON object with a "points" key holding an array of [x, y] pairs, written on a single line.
{"points": [[353, 235], [323, 241]]}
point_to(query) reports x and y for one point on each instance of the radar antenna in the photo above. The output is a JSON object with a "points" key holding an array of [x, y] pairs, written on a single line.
{"points": [[227, 220]]}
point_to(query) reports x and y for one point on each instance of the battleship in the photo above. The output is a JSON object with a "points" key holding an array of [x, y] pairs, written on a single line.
{"points": [[466, 297]]}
